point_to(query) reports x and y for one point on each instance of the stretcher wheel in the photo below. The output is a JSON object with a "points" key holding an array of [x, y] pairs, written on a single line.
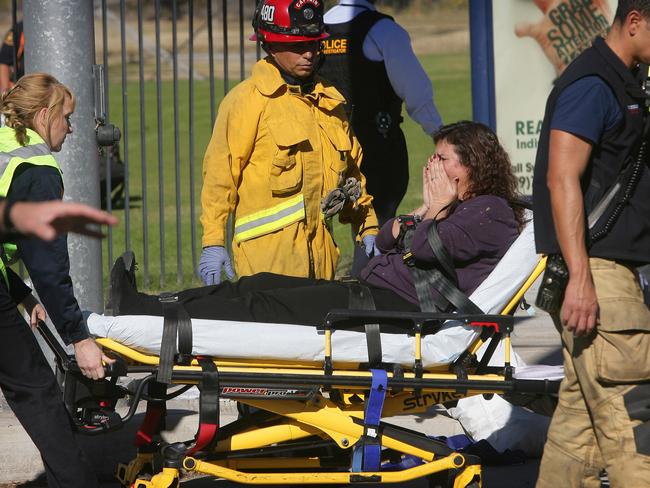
{"points": [[447, 479], [168, 478], [450, 484], [144, 466], [444, 479]]}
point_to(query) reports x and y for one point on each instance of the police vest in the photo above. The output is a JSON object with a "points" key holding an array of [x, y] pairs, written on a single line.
{"points": [[36, 152], [363, 83], [629, 238]]}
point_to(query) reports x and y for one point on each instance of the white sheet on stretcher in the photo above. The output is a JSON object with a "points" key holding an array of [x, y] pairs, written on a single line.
{"points": [[231, 339]]}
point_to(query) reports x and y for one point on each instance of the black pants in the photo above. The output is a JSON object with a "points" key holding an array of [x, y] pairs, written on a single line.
{"points": [[33, 394], [264, 297], [385, 165]]}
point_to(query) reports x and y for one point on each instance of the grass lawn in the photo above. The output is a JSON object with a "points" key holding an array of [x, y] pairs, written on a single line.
{"points": [[450, 74]]}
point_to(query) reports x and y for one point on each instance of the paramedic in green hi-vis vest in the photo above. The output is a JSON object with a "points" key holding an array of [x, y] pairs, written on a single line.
{"points": [[37, 113]]}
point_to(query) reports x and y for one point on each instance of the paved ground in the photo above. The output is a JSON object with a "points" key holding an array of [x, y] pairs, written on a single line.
{"points": [[534, 339]]}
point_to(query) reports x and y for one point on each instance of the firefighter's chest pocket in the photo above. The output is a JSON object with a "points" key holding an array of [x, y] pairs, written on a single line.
{"points": [[285, 176], [340, 146], [286, 171]]}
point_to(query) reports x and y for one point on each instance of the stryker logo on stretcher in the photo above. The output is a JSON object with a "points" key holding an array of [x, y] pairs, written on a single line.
{"points": [[431, 399]]}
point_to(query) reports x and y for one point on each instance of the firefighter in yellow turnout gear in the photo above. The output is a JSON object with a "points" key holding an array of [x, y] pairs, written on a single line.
{"points": [[281, 144]]}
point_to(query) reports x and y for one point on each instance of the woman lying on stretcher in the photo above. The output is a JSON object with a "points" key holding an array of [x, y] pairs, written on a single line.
{"points": [[467, 186]]}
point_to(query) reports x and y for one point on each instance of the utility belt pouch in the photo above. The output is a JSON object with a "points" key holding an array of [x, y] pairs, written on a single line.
{"points": [[554, 282], [384, 122]]}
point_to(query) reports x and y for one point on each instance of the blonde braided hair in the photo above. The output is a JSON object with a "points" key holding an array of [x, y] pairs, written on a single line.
{"points": [[30, 94]]}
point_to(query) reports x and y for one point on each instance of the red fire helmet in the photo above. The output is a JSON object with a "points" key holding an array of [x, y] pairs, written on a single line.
{"points": [[289, 21]]}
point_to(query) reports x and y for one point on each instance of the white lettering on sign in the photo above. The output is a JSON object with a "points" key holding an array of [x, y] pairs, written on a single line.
{"points": [[268, 12]]}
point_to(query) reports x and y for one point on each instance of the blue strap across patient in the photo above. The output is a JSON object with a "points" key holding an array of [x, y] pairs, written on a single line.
{"points": [[367, 454]]}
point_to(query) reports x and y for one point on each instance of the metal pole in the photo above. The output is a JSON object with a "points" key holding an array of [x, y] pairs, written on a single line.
{"points": [[177, 154], [125, 130], [60, 39], [161, 165], [242, 68], [107, 156], [14, 57], [224, 20], [143, 153], [193, 225], [258, 45], [211, 63], [482, 50]]}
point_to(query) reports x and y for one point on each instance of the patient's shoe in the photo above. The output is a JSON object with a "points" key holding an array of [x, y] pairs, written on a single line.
{"points": [[130, 265], [122, 278]]}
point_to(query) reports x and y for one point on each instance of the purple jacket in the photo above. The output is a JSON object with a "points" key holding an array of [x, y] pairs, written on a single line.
{"points": [[476, 235]]}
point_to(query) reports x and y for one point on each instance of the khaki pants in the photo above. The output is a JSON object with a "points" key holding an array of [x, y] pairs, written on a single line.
{"points": [[603, 415]]}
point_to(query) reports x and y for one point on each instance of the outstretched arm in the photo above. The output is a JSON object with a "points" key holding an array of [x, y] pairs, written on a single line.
{"points": [[47, 220]]}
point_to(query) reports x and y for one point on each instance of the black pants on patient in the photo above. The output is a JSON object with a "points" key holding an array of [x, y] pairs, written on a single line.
{"points": [[264, 297]]}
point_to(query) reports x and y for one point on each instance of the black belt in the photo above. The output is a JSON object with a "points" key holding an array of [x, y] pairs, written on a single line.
{"points": [[177, 325], [360, 298]]}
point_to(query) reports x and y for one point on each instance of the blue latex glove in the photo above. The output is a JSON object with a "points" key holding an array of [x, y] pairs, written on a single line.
{"points": [[213, 258], [370, 247]]}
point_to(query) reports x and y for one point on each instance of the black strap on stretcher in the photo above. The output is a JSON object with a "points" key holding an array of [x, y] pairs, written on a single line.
{"points": [[366, 455], [206, 435], [360, 298], [177, 326], [442, 277], [177, 329]]}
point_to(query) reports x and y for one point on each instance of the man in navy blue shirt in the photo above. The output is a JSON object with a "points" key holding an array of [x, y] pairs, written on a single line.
{"points": [[592, 128], [587, 108]]}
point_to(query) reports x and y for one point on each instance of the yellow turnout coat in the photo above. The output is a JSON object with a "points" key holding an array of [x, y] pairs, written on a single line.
{"points": [[274, 154]]}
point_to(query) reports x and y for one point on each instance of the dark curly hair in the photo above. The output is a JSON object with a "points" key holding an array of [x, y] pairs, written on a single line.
{"points": [[490, 171]]}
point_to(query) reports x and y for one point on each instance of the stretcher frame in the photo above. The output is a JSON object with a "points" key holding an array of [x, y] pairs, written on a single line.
{"points": [[309, 415]]}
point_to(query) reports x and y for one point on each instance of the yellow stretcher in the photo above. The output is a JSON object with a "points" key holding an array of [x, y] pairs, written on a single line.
{"points": [[311, 421]]}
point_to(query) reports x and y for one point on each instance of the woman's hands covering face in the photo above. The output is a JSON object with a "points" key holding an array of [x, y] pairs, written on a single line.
{"points": [[438, 189]]}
